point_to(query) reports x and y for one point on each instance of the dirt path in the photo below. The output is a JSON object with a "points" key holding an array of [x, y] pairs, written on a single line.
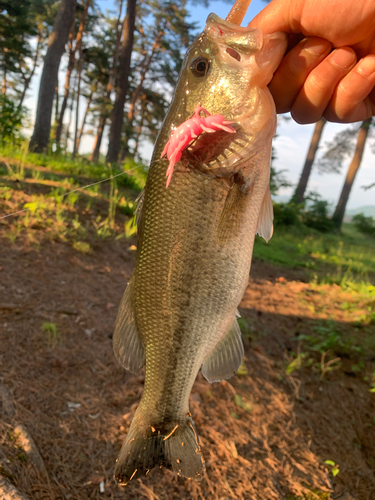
{"points": [[265, 434]]}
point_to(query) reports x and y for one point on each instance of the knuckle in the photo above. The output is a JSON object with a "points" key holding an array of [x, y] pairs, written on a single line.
{"points": [[317, 84]]}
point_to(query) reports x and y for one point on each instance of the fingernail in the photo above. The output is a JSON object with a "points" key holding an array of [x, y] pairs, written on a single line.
{"points": [[366, 66], [344, 58], [316, 46]]}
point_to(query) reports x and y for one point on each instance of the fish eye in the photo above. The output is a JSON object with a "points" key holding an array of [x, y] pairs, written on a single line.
{"points": [[200, 66]]}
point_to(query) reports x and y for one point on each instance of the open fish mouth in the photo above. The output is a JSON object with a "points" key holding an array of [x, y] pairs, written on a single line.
{"points": [[219, 153]]}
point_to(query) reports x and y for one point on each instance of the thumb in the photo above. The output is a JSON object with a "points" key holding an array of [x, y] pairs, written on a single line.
{"points": [[276, 17]]}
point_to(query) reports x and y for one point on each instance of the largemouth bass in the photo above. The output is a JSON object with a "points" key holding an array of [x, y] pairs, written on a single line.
{"points": [[195, 242]]}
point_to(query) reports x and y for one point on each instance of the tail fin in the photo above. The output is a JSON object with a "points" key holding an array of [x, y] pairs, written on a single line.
{"points": [[171, 445]]}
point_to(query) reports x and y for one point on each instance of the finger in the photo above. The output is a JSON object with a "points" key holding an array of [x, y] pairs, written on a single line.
{"points": [[290, 76], [352, 100], [277, 16], [320, 85]]}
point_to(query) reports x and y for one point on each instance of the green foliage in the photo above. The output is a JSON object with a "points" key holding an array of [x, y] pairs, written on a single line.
{"points": [[315, 215], [334, 467], [287, 214], [16, 28], [277, 179], [11, 122], [364, 224]]}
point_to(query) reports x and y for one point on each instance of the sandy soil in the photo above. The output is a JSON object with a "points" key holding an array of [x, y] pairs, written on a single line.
{"points": [[264, 434]]}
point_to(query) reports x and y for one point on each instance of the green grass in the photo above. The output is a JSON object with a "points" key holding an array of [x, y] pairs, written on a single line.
{"points": [[78, 167], [348, 256], [42, 185]]}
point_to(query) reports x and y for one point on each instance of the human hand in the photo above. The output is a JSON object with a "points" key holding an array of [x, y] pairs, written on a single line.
{"points": [[312, 81]]}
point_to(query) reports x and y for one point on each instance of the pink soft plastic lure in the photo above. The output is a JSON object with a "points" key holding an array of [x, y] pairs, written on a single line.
{"points": [[188, 131]]}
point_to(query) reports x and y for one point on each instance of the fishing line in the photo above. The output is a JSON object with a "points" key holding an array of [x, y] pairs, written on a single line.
{"points": [[70, 192]]}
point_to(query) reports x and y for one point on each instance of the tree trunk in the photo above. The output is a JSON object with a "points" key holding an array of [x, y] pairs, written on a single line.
{"points": [[111, 81], [98, 139], [27, 80], [71, 64], [139, 131], [122, 83], [4, 88], [67, 136], [84, 121], [339, 213], [145, 66], [299, 193], [77, 105], [144, 70], [56, 45]]}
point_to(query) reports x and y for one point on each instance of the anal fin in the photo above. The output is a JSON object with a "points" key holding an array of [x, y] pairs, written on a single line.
{"points": [[127, 345], [226, 358]]}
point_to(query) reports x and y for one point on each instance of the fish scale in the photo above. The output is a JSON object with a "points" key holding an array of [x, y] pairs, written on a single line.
{"points": [[195, 242]]}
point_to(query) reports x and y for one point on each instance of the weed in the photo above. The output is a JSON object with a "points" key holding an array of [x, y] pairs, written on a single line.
{"points": [[53, 335], [82, 247], [36, 175], [334, 467], [242, 403], [130, 228], [242, 370], [328, 336], [296, 364], [246, 330], [5, 193], [327, 366], [314, 495]]}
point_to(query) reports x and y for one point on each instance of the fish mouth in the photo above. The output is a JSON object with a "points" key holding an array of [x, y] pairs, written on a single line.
{"points": [[220, 153], [246, 41]]}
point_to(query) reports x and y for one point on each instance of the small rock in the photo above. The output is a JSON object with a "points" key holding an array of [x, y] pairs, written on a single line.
{"points": [[346, 496], [29, 447], [7, 403], [9, 492]]}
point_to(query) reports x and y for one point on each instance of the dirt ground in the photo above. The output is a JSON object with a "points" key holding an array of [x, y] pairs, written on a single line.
{"points": [[264, 434]]}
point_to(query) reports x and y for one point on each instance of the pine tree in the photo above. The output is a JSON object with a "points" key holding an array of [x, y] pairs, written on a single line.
{"points": [[299, 193], [41, 135], [339, 212], [122, 83], [16, 29]]}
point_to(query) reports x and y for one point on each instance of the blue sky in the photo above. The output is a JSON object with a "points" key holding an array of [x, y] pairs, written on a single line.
{"points": [[292, 140]]}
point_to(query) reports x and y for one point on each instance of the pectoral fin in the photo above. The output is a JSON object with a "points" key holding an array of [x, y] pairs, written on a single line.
{"points": [[265, 221], [232, 217], [226, 358], [127, 345]]}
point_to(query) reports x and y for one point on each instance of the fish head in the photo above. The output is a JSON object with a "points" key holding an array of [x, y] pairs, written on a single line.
{"points": [[226, 65], [226, 71]]}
